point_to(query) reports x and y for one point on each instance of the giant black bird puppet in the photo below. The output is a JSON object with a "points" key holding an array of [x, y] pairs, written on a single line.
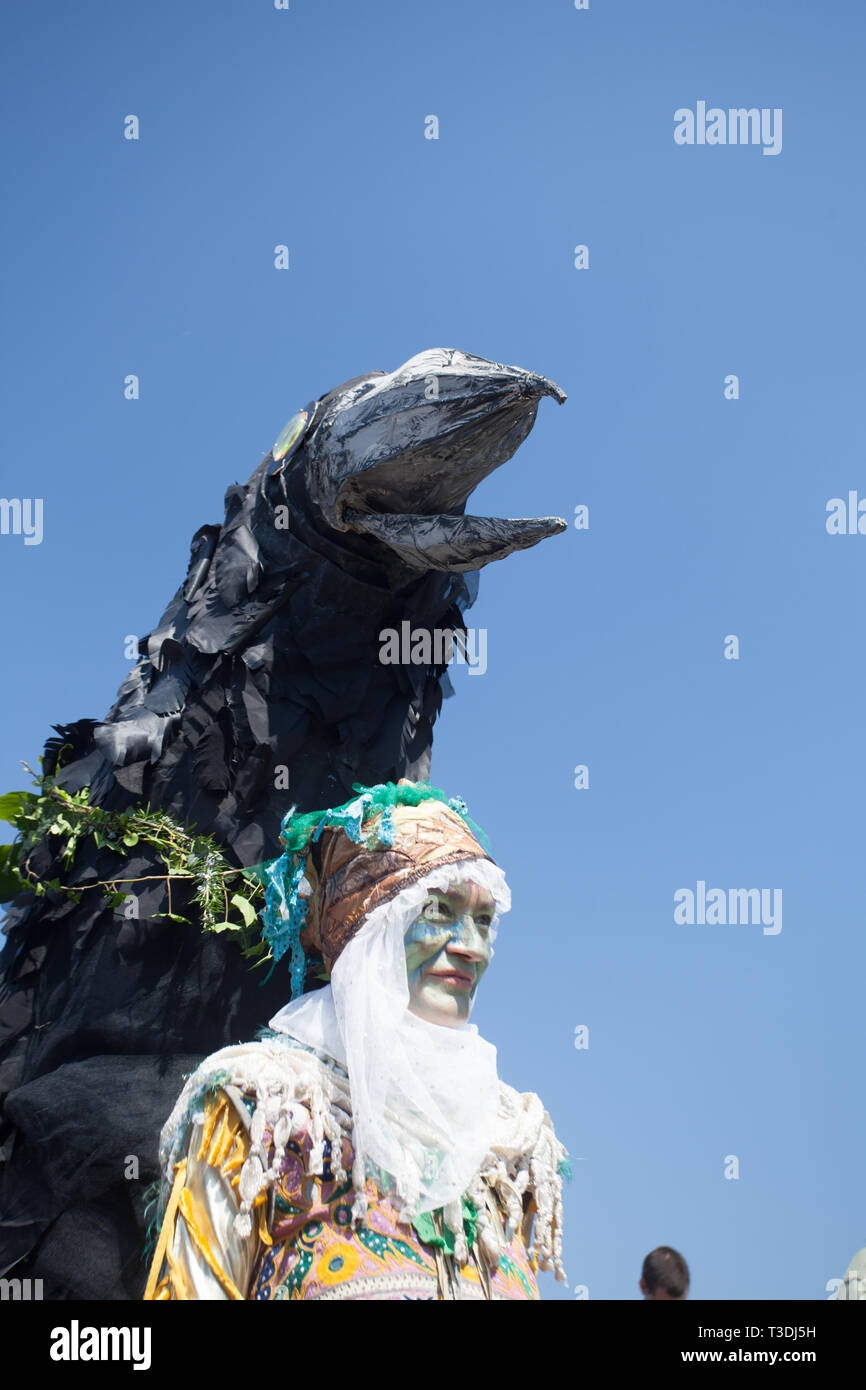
{"points": [[267, 657]]}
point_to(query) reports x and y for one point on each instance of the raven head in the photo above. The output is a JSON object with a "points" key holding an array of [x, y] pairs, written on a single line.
{"points": [[352, 522], [394, 456]]}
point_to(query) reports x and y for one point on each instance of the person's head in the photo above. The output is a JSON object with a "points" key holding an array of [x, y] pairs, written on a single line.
{"points": [[448, 949], [401, 858], [665, 1275]]}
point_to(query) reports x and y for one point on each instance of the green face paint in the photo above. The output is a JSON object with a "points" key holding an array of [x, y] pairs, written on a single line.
{"points": [[447, 951]]}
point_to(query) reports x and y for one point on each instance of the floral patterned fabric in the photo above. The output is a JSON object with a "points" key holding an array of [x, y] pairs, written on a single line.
{"points": [[318, 1254]]}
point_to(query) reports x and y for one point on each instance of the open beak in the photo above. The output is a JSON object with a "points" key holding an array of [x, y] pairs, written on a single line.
{"points": [[399, 460]]}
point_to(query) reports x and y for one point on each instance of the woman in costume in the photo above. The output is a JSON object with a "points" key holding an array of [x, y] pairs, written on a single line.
{"points": [[365, 1148]]}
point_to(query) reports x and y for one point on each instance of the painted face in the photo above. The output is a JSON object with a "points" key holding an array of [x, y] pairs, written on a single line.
{"points": [[447, 951]]}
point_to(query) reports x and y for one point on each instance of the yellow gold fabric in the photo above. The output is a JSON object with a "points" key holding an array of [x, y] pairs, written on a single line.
{"points": [[198, 1255]]}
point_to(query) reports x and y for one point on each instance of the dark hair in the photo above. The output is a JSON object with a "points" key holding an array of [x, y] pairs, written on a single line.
{"points": [[666, 1269]]}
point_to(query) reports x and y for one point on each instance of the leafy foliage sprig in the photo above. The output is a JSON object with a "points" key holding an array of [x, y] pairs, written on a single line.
{"points": [[63, 819]]}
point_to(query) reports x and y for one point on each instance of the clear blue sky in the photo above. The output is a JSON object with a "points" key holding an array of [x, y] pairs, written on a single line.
{"points": [[707, 516]]}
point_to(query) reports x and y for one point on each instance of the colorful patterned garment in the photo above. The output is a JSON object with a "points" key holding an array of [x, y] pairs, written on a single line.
{"points": [[304, 1244]]}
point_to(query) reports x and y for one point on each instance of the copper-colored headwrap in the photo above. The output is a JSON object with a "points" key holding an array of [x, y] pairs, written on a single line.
{"points": [[352, 880]]}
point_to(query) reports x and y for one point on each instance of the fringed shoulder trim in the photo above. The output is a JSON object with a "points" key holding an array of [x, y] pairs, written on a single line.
{"points": [[279, 1087]]}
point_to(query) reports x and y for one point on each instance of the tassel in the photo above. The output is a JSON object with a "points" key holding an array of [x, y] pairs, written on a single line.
{"points": [[284, 917], [386, 828]]}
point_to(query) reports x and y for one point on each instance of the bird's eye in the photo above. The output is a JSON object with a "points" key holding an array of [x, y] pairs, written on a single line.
{"points": [[289, 436]]}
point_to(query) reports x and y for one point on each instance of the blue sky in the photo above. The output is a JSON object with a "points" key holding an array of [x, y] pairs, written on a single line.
{"points": [[605, 646]]}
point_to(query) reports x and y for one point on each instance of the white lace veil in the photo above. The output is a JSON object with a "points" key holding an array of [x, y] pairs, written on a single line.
{"points": [[424, 1096]]}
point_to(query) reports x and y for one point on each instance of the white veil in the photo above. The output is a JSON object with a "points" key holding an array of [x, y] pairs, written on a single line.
{"points": [[425, 1097]]}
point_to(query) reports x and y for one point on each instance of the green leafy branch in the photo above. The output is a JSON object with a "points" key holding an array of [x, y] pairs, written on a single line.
{"points": [[63, 819]]}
